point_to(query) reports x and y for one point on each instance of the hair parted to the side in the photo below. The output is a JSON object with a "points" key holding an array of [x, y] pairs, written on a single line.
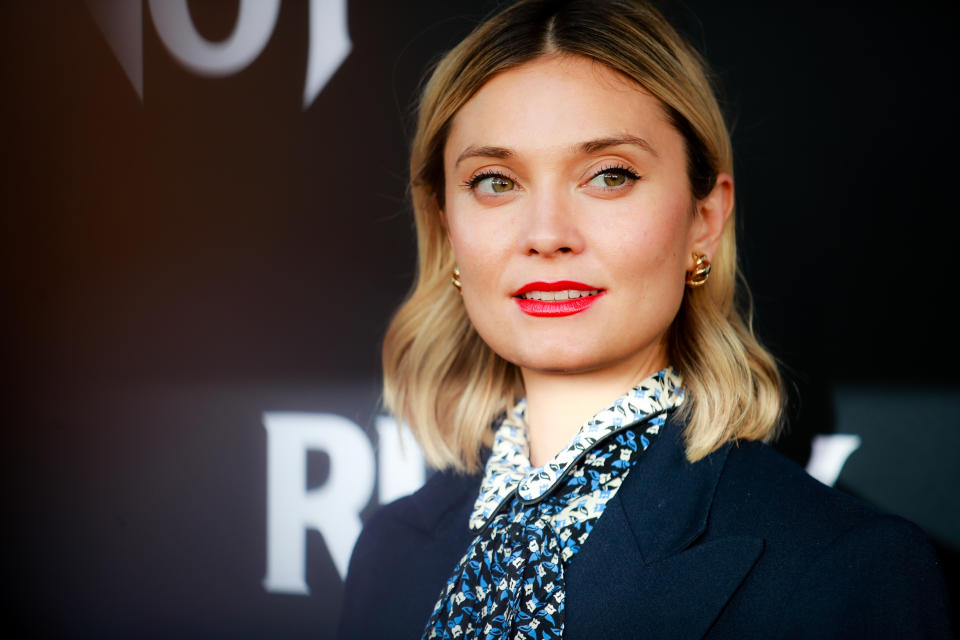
{"points": [[439, 375]]}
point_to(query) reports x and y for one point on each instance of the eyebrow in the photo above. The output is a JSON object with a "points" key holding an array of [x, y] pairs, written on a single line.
{"points": [[484, 152], [599, 144], [591, 146]]}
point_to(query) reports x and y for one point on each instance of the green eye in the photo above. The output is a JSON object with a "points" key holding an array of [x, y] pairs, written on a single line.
{"points": [[613, 178], [493, 184]]}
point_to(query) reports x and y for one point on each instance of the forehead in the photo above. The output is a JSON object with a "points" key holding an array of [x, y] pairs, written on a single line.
{"points": [[558, 102]]}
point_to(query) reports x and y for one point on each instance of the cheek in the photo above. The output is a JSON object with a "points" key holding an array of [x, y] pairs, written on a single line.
{"points": [[650, 241], [480, 249]]}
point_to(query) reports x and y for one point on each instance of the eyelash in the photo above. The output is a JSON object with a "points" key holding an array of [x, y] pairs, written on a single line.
{"points": [[616, 168], [475, 180]]}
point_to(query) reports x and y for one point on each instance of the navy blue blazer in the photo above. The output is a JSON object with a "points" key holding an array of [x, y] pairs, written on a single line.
{"points": [[741, 544]]}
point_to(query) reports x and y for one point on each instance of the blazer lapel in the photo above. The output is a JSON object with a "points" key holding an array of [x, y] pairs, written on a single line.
{"points": [[645, 572]]}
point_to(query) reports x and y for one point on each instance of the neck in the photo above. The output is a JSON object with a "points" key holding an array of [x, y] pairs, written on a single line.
{"points": [[559, 403]]}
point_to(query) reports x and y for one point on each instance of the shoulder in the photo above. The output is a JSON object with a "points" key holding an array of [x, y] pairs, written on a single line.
{"points": [[756, 478], [407, 547], [419, 514], [879, 578], [839, 567], [765, 492], [439, 507]]}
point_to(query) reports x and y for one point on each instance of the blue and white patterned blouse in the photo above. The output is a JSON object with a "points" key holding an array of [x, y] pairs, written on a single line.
{"points": [[532, 521]]}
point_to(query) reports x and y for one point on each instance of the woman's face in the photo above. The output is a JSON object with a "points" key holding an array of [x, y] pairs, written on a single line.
{"points": [[565, 182]]}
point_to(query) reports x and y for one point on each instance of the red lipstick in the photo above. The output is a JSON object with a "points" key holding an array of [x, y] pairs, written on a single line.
{"points": [[587, 295]]}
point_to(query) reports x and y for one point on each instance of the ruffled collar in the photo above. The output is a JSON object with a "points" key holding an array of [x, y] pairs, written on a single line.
{"points": [[508, 469]]}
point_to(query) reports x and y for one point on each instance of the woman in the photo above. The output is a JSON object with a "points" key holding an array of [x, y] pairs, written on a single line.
{"points": [[577, 290]]}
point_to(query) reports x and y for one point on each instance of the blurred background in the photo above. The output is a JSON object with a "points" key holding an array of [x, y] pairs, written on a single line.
{"points": [[205, 231]]}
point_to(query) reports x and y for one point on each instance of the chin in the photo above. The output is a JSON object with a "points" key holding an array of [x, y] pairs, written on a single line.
{"points": [[554, 361]]}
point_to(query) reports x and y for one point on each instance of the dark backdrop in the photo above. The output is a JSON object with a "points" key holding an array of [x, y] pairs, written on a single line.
{"points": [[175, 265]]}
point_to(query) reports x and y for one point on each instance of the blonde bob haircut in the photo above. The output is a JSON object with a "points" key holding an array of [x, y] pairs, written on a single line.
{"points": [[439, 375]]}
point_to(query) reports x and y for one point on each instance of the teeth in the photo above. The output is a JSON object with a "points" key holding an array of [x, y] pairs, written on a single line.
{"points": [[568, 294]]}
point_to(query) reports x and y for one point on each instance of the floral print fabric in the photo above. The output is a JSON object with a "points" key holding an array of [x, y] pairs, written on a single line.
{"points": [[531, 522]]}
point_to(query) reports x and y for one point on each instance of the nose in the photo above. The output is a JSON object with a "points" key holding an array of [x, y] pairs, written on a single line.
{"points": [[551, 227]]}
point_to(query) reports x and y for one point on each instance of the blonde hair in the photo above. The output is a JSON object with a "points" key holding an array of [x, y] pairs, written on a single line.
{"points": [[439, 375]]}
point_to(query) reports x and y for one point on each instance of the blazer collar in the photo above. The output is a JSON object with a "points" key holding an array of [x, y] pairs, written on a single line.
{"points": [[649, 550], [667, 502]]}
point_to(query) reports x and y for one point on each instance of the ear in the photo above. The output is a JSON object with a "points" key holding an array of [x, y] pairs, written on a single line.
{"points": [[443, 223], [711, 217], [446, 229]]}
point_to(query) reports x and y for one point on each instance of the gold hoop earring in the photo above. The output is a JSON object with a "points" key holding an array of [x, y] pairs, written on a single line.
{"points": [[701, 271], [455, 279]]}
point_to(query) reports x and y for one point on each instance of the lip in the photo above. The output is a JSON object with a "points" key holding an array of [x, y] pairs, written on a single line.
{"points": [[559, 285], [556, 308]]}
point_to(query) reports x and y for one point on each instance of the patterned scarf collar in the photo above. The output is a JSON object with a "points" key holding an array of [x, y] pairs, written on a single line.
{"points": [[531, 522], [508, 468]]}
